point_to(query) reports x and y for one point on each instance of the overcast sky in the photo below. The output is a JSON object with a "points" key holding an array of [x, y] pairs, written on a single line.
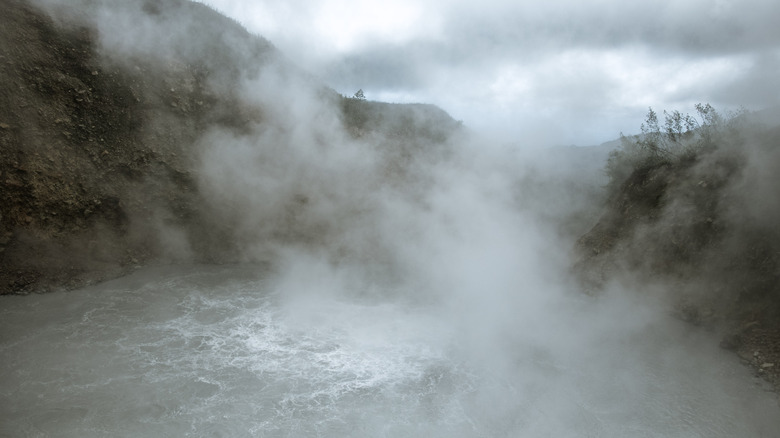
{"points": [[555, 72]]}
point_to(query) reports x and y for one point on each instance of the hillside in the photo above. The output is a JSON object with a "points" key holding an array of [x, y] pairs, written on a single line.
{"points": [[692, 219], [109, 123]]}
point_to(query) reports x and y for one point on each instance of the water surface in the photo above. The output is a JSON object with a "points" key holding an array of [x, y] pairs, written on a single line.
{"points": [[220, 352]]}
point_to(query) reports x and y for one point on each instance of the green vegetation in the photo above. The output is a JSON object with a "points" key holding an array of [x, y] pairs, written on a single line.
{"points": [[678, 142], [692, 214], [420, 124]]}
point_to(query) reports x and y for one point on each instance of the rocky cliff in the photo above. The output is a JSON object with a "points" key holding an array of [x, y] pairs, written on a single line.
{"points": [[698, 228], [104, 112]]}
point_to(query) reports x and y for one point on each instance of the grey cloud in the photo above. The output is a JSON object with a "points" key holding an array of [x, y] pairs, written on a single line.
{"points": [[684, 27], [456, 67], [689, 27], [470, 45], [759, 86], [753, 82], [479, 38], [379, 68]]}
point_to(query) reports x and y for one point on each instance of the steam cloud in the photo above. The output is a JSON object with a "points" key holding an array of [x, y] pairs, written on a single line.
{"points": [[473, 228], [480, 234]]}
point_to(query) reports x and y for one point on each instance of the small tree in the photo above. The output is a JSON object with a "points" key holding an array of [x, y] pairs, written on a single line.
{"points": [[682, 137], [359, 95]]}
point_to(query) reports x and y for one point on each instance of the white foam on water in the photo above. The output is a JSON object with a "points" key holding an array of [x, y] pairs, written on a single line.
{"points": [[216, 352]]}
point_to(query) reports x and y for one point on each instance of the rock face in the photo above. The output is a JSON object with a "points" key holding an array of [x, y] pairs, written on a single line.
{"points": [[71, 149], [100, 138], [702, 231]]}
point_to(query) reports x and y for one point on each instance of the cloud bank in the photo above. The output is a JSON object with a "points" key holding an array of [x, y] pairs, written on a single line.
{"points": [[525, 69]]}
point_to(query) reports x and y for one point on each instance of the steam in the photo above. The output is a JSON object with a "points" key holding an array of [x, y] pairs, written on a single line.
{"points": [[473, 236], [473, 231], [458, 233]]}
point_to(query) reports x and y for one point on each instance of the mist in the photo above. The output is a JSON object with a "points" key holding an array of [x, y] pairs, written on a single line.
{"points": [[438, 262], [558, 73]]}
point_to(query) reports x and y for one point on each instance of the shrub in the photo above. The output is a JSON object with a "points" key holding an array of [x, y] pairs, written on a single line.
{"points": [[680, 140]]}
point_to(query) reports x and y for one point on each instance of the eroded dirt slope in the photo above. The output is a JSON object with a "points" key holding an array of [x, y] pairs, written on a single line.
{"points": [[99, 136]]}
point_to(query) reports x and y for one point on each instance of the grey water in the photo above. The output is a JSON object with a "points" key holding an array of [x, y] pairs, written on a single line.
{"points": [[225, 352]]}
